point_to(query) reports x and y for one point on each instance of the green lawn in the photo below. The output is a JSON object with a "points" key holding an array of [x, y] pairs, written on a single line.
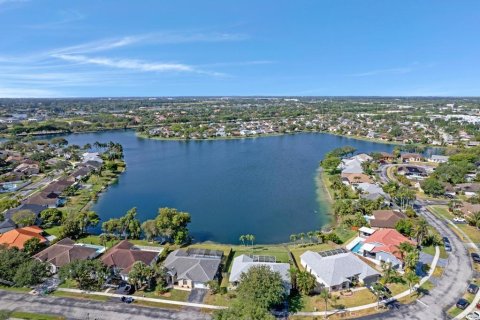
{"points": [[431, 251], [297, 250], [338, 301], [14, 289], [64, 294], [173, 294], [30, 316]]}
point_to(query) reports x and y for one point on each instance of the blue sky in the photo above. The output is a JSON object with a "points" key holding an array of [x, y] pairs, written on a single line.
{"points": [[175, 48]]}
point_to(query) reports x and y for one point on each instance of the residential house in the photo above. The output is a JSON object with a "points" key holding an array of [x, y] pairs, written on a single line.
{"points": [[411, 157], [469, 189], [386, 157], [338, 269], [354, 179], [193, 268], [27, 168], [123, 256], [468, 209], [18, 237], [382, 246], [371, 189], [243, 263], [34, 208], [91, 156], [385, 218], [65, 251], [7, 225], [438, 158]]}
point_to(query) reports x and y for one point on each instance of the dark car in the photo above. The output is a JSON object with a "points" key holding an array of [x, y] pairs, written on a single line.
{"points": [[125, 289], [448, 247], [127, 299], [446, 240], [462, 304], [475, 257], [472, 288]]}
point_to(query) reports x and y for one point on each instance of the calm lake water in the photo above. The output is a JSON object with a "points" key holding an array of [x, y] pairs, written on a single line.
{"points": [[263, 186]]}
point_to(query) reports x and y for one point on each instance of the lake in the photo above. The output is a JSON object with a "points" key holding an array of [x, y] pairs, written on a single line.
{"points": [[261, 186]]}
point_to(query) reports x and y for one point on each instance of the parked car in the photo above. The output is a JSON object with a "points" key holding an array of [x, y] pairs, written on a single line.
{"points": [[462, 303], [445, 240], [127, 299], [472, 288], [475, 257], [459, 220], [475, 315], [125, 289], [448, 248]]}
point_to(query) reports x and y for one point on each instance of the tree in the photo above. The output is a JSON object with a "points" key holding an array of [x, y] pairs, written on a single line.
{"points": [[59, 142], [173, 224], [88, 274], [421, 230], [51, 217], [474, 219], [293, 238], [70, 227], [30, 273], [306, 282], [150, 229], [403, 248], [325, 296], [6, 204], [32, 246], [331, 163], [411, 260], [24, 218], [389, 273], [140, 274], [412, 279], [87, 219], [242, 239], [433, 187], [405, 227]]}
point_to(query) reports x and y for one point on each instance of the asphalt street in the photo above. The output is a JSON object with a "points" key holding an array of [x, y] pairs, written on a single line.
{"points": [[77, 309], [450, 288]]}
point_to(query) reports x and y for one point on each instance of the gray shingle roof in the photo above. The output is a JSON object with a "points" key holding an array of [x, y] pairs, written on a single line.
{"points": [[243, 263], [334, 270], [195, 268]]}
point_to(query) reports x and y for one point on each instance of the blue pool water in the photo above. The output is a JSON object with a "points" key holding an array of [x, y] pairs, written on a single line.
{"points": [[357, 247]]}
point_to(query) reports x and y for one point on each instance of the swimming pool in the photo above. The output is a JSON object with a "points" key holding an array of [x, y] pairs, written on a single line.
{"points": [[356, 248]]}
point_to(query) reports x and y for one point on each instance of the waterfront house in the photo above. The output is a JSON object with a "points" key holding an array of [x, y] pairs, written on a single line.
{"points": [[438, 159], [65, 251], [192, 268], [243, 263], [338, 269], [354, 179], [18, 237], [385, 218], [91, 156], [121, 258], [386, 157], [411, 157], [382, 246]]}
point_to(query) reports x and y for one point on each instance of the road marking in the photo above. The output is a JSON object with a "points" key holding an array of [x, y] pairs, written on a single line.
{"points": [[426, 305]]}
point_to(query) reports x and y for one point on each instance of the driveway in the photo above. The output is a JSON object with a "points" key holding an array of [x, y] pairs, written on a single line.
{"points": [[448, 290], [197, 295], [88, 309]]}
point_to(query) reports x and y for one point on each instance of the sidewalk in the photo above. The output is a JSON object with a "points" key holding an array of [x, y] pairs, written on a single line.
{"points": [[173, 302], [375, 304]]}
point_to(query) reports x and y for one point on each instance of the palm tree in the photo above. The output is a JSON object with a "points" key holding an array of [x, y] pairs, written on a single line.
{"points": [[325, 296], [411, 260], [242, 239], [310, 235], [320, 236], [421, 230], [293, 238], [388, 273], [412, 279], [403, 248], [302, 237], [474, 219]]}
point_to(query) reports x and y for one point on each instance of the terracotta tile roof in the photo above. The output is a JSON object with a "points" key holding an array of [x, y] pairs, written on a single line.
{"points": [[357, 178], [18, 237], [386, 218], [388, 240], [123, 256]]}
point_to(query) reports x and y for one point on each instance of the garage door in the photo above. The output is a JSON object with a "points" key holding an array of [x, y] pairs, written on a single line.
{"points": [[199, 285]]}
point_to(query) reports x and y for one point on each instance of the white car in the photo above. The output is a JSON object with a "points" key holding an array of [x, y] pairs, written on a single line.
{"points": [[459, 219], [475, 315]]}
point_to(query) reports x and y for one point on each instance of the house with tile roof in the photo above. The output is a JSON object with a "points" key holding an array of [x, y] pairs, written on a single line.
{"points": [[193, 268], [338, 269], [18, 237], [121, 258], [385, 218], [382, 246], [65, 251], [243, 263]]}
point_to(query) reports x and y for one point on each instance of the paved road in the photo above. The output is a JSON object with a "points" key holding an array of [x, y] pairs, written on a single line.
{"points": [[77, 309], [451, 287]]}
